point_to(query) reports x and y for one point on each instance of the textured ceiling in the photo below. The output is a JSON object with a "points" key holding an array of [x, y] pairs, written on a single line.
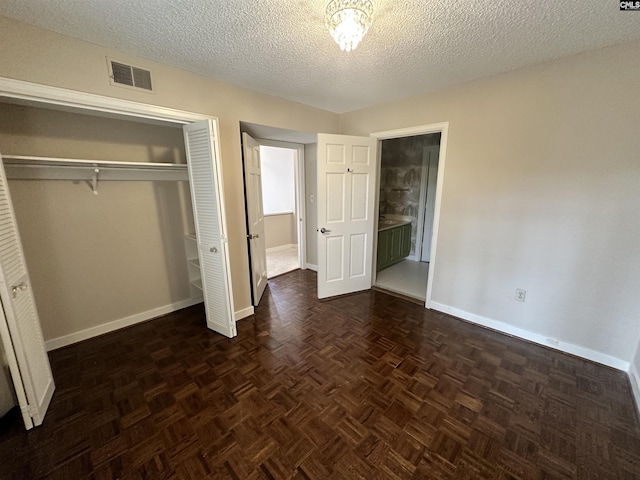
{"points": [[283, 48]]}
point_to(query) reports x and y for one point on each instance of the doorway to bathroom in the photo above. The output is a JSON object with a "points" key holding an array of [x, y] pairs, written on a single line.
{"points": [[406, 207]]}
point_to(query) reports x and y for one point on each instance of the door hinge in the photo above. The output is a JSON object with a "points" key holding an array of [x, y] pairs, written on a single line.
{"points": [[223, 238], [29, 410]]}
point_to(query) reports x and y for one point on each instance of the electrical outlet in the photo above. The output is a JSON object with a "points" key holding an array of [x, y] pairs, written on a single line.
{"points": [[520, 294]]}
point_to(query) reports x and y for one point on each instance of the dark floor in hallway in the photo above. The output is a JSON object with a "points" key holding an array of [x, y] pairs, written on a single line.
{"points": [[363, 386]]}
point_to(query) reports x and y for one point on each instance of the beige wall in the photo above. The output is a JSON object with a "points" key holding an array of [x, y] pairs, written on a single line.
{"points": [[39, 56], [53, 133], [280, 230], [311, 191], [541, 192], [93, 259]]}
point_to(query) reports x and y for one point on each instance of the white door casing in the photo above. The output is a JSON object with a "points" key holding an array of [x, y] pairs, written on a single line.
{"points": [[443, 129], [205, 180], [20, 326], [255, 216], [110, 106], [346, 197]]}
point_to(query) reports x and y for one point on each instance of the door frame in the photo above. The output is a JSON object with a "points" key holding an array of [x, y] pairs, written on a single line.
{"points": [[443, 129], [70, 100], [299, 173]]}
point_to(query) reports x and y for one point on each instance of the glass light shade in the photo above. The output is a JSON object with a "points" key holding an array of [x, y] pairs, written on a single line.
{"points": [[348, 21]]}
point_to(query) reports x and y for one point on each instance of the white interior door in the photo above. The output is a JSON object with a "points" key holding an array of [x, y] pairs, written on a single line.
{"points": [[205, 180], [20, 326], [255, 215], [346, 183], [430, 203]]}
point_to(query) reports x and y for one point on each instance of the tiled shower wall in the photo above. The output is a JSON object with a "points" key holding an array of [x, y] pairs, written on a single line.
{"points": [[400, 176]]}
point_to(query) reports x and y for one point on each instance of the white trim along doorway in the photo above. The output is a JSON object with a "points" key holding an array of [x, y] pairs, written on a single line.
{"points": [[443, 129], [70, 100], [278, 257], [201, 133]]}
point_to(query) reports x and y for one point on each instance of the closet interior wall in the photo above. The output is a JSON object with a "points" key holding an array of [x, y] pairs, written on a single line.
{"points": [[97, 259]]}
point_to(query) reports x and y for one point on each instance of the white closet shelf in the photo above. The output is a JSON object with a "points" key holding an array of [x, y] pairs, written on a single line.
{"points": [[197, 283], [48, 168], [195, 262]]}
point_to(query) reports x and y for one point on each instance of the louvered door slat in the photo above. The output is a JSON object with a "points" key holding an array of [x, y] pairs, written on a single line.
{"points": [[205, 186]]}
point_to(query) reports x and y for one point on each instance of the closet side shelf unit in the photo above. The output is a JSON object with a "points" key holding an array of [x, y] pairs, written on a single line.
{"points": [[193, 264]]}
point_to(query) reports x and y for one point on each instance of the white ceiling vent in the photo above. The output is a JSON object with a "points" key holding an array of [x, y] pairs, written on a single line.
{"points": [[125, 75]]}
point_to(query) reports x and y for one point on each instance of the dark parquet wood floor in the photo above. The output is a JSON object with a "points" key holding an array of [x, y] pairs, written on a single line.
{"points": [[364, 386]]}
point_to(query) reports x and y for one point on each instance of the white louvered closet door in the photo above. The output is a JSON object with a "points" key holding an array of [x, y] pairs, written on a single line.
{"points": [[20, 328], [205, 180]]}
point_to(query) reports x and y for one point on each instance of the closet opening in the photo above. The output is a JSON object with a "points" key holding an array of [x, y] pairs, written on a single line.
{"points": [[113, 197], [101, 192]]}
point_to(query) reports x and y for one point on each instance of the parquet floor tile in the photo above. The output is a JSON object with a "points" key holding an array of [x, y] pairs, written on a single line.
{"points": [[366, 386]]}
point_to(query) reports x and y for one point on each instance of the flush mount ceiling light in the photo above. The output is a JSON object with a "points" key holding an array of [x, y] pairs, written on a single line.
{"points": [[348, 21]]}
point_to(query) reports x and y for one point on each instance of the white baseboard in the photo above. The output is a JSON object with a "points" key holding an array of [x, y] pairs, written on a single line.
{"points": [[311, 266], [76, 337], [280, 248], [244, 313], [634, 378], [570, 348]]}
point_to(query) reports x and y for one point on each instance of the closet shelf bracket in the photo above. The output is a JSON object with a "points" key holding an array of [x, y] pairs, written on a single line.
{"points": [[94, 181]]}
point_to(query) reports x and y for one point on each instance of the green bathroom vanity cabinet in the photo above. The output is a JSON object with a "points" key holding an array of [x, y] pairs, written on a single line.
{"points": [[394, 242]]}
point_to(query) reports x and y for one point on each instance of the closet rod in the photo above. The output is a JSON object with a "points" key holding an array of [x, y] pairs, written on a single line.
{"points": [[90, 171], [51, 161]]}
